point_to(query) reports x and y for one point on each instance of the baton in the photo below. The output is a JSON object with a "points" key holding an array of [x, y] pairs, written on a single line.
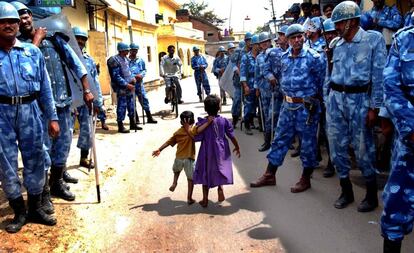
{"points": [[241, 107], [92, 119], [142, 103], [273, 115], [261, 114], [135, 111]]}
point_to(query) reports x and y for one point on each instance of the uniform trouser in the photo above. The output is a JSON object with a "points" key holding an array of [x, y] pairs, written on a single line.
{"points": [[101, 115], [249, 109], [266, 99], [274, 111], [237, 97], [292, 121], [345, 116], [201, 79], [142, 96], [398, 196], [85, 128], [21, 129], [125, 102], [168, 83], [59, 147]]}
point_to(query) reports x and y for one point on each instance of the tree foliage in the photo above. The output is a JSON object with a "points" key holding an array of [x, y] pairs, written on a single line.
{"points": [[200, 10]]}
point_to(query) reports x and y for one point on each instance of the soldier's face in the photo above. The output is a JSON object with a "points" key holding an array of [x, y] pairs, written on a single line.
{"points": [[26, 23], [81, 42], [296, 41], [133, 53], [282, 39], [330, 36], [124, 53], [8, 29], [265, 45], [231, 50]]}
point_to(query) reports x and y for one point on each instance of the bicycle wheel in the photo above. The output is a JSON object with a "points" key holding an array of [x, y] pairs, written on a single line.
{"points": [[176, 102], [172, 93]]}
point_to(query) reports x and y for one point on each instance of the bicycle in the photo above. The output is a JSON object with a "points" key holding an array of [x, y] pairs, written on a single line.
{"points": [[171, 82]]}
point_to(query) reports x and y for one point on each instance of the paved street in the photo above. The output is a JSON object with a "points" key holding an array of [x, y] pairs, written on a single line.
{"points": [[139, 214]]}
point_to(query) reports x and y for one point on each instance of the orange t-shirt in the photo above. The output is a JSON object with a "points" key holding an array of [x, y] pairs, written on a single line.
{"points": [[185, 143]]}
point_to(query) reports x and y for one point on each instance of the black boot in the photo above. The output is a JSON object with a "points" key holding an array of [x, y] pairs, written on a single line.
{"points": [[329, 171], [36, 213], [200, 99], [370, 201], [132, 125], [347, 195], [121, 128], [84, 162], [392, 246], [247, 129], [150, 120], [47, 204], [266, 145], [20, 215], [68, 178], [57, 187], [104, 125], [234, 121]]}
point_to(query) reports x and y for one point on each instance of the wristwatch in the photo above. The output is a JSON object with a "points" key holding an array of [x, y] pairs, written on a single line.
{"points": [[86, 91]]}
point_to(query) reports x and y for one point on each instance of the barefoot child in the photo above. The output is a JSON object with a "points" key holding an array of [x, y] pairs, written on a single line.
{"points": [[185, 154], [214, 167]]}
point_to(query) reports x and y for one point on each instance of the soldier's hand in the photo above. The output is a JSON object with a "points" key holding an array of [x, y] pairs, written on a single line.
{"points": [[133, 80], [88, 99], [40, 34], [138, 77], [371, 118], [130, 87], [273, 83], [53, 129], [156, 153]]}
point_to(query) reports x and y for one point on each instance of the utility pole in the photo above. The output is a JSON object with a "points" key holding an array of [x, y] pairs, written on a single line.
{"points": [[273, 16], [129, 22]]}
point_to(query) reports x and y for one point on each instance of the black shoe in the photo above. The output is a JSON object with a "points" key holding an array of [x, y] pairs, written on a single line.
{"points": [[20, 215], [150, 119], [68, 178], [266, 145], [166, 100], [58, 190], [180, 102], [121, 128], [132, 125], [347, 194], [200, 99], [391, 246], [104, 126], [329, 171], [47, 204], [36, 214], [370, 201]]}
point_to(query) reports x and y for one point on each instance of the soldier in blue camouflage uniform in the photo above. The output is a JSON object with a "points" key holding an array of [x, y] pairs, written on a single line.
{"points": [[281, 39], [64, 67], [24, 89], [272, 74], [301, 79], [384, 16], [84, 116], [138, 69], [355, 96], [247, 80], [235, 59], [123, 83], [398, 215], [199, 64], [409, 16], [219, 66], [314, 35]]}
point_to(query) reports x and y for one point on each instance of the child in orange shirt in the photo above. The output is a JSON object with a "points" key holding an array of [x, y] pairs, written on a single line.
{"points": [[185, 155]]}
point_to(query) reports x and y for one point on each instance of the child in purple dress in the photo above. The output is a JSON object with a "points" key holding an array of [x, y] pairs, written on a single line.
{"points": [[213, 166]]}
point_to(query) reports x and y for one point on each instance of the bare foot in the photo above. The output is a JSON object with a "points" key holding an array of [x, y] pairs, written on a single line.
{"points": [[203, 203], [221, 197], [190, 201], [172, 187]]}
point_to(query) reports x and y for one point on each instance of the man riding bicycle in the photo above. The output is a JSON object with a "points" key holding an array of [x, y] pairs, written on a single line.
{"points": [[170, 70]]}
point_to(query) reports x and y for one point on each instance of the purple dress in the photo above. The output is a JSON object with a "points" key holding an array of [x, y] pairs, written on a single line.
{"points": [[213, 166]]}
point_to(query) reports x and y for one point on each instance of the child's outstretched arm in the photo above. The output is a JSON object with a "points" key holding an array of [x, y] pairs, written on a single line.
{"points": [[158, 151], [236, 146], [205, 125]]}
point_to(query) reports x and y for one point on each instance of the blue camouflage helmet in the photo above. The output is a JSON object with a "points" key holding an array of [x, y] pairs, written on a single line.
{"points": [[134, 46], [78, 32], [230, 46], [264, 36], [8, 11], [122, 47], [242, 44], [20, 7], [283, 29], [248, 36], [294, 29], [221, 49], [295, 8], [345, 10], [255, 39], [328, 25], [195, 48]]}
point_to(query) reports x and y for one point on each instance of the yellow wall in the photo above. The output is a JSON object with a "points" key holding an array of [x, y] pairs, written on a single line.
{"points": [[167, 11]]}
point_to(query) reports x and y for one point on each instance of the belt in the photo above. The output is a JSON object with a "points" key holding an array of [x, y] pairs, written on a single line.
{"points": [[294, 100], [18, 100], [350, 89]]}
